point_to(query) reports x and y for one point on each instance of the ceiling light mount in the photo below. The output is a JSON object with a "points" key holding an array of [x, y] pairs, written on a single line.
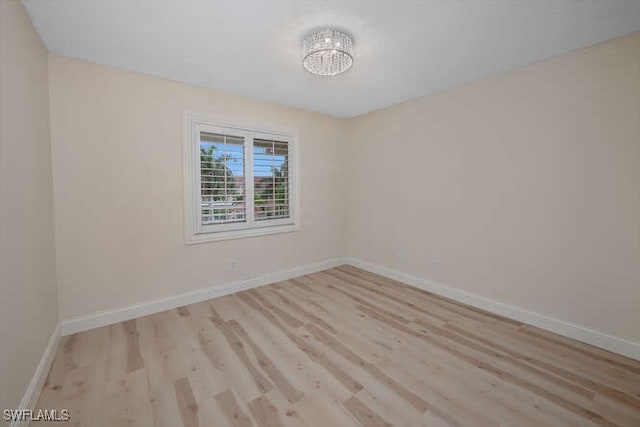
{"points": [[327, 52]]}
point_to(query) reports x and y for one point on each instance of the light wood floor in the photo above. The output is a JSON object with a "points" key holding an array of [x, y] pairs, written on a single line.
{"points": [[341, 347]]}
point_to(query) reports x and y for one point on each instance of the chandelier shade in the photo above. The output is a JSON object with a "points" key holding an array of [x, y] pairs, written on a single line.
{"points": [[327, 52]]}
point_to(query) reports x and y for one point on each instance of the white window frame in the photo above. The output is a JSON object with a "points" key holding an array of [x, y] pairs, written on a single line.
{"points": [[193, 124]]}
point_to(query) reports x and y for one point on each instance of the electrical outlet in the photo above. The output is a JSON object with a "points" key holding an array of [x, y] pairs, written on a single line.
{"points": [[435, 264], [233, 264]]}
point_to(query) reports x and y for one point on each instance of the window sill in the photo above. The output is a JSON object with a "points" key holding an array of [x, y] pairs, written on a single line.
{"points": [[196, 238]]}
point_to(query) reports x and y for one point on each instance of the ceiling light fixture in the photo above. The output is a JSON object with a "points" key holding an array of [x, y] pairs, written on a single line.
{"points": [[327, 52]]}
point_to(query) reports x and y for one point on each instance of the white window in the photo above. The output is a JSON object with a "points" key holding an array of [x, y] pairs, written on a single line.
{"points": [[240, 179]]}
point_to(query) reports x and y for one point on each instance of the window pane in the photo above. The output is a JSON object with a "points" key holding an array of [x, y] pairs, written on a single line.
{"points": [[271, 179], [221, 179]]}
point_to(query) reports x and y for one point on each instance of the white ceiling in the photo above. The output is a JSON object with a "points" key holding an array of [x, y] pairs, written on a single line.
{"points": [[403, 48]]}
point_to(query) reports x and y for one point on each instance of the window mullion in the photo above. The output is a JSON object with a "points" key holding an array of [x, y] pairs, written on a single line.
{"points": [[248, 184]]}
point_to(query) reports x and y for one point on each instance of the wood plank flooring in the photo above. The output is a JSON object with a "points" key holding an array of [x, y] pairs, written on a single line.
{"points": [[342, 347]]}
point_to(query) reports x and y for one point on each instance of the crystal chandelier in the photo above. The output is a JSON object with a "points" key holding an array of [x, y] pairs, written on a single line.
{"points": [[327, 52]]}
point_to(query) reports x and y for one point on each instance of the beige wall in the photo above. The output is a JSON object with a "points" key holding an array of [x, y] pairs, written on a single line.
{"points": [[525, 186], [28, 313], [117, 166]]}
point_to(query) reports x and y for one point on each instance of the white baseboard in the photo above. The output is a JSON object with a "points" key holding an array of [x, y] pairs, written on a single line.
{"points": [[105, 318], [32, 394], [560, 327], [577, 332]]}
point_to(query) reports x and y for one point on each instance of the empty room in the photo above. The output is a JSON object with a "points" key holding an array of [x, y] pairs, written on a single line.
{"points": [[320, 213]]}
